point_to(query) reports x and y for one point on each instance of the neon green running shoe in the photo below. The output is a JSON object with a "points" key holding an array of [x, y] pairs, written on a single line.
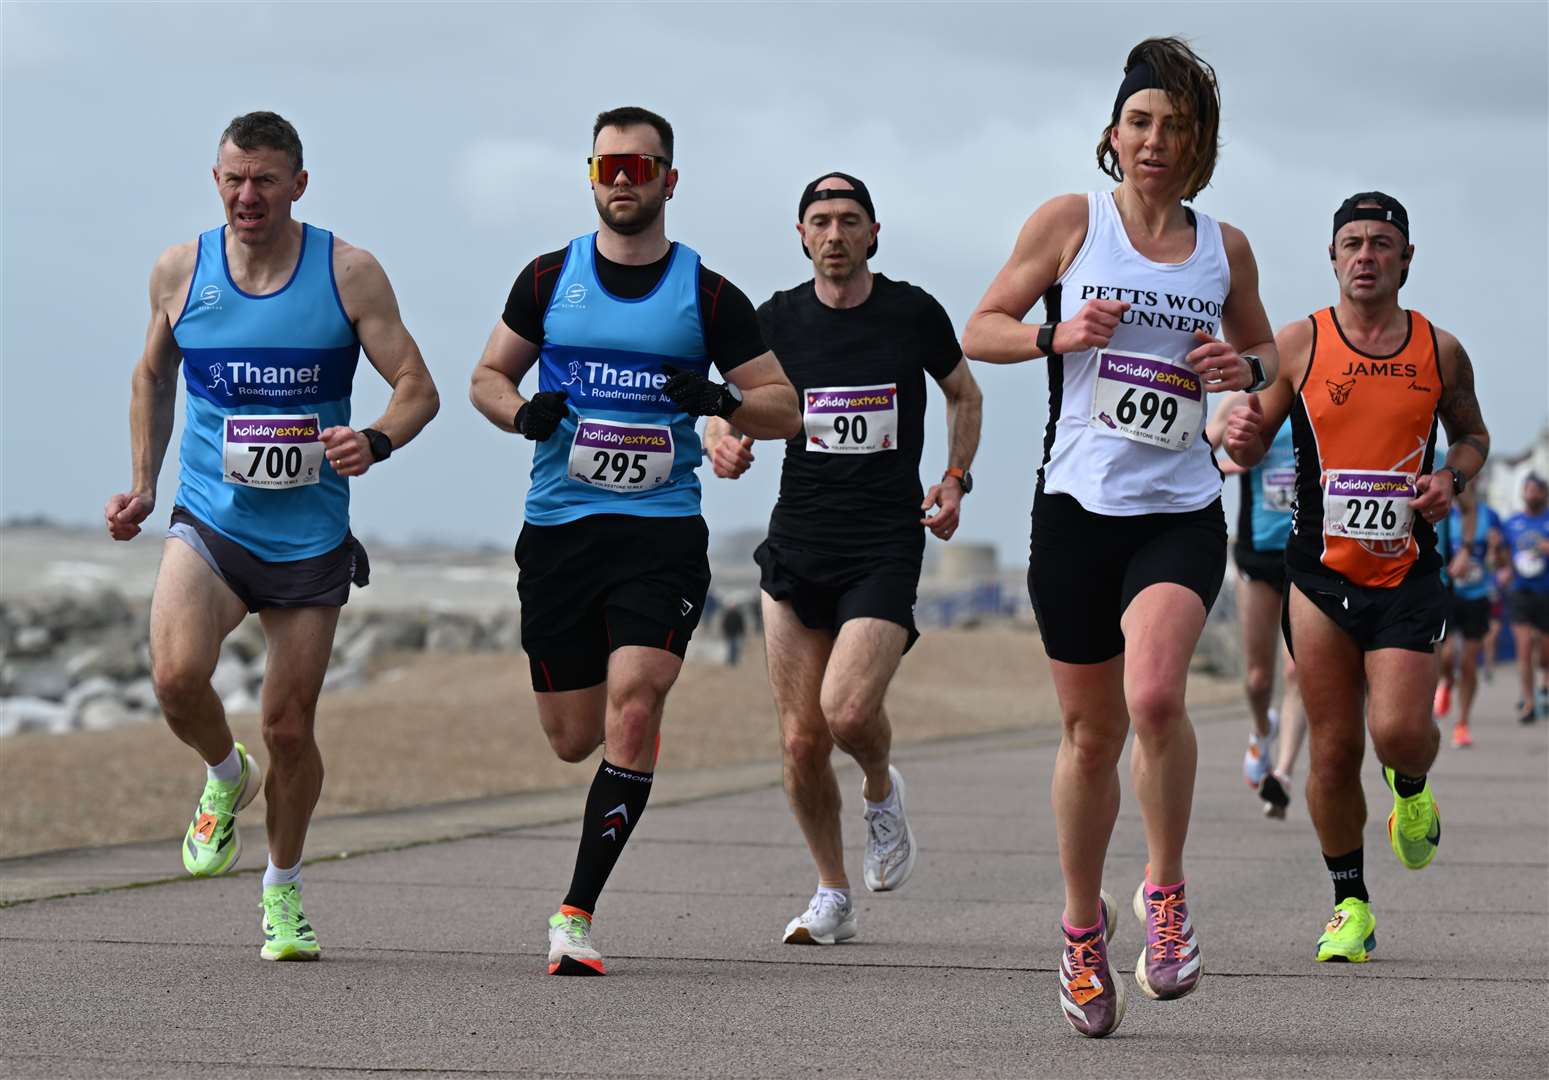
{"points": [[1350, 935], [212, 844], [287, 933], [1414, 826]]}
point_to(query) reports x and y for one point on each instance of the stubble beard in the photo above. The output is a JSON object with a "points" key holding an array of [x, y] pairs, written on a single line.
{"points": [[645, 216]]}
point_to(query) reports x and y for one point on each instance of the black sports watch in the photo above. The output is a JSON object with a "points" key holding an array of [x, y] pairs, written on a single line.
{"points": [[731, 400], [381, 445], [1045, 342], [1256, 366], [1458, 483]]}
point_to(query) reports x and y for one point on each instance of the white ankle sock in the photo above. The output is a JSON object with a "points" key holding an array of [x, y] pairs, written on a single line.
{"points": [[274, 875], [889, 803], [228, 770], [842, 894]]}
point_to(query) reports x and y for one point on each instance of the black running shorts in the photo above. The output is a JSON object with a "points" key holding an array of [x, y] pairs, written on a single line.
{"points": [[825, 590], [1085, 568], [1530, 609], [1471, 618], [1264, 566], [604, 581], [320, 581], [1411, 615]]}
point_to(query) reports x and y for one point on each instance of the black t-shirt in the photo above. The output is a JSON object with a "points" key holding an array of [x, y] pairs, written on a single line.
{"points": [[732, 335], [851, 481]]}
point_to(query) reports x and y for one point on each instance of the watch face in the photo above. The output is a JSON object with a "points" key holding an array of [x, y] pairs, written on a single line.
{"points": [[968, 482]]}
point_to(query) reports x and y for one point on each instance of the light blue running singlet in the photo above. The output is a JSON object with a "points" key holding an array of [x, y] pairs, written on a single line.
{"points": [[265, 376], [623, 447]]}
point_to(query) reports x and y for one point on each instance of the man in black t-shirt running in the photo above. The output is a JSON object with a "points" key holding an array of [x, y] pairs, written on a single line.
{"points": [[841, 565], [624, 327]]}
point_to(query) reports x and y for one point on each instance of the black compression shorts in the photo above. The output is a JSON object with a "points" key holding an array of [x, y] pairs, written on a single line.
{"points": [[1470, 617], [826, 590], [604, 581], [1085, 568], [1530, 609], [1265, 566]]}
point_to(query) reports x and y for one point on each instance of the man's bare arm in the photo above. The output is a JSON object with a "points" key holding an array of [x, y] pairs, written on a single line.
{"points": [[965, 411], [1467, 437], [153, 394], [369, 301], [769, 408], [507, 359]]}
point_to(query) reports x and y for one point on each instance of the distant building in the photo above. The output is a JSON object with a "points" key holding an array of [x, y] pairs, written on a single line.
{"points": [[1504, 473]]}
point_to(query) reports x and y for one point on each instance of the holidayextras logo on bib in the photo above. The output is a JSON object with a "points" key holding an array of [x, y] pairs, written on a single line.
{"points": [[1150, 374]]}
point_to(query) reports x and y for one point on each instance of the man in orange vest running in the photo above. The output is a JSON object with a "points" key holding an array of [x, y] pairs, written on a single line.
{"points": [[1364, 384]]}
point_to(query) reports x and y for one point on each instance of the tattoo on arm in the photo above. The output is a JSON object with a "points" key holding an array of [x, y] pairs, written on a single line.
{"points": [[1459, 410]]}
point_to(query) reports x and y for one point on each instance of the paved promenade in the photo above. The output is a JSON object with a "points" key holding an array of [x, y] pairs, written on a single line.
{"points": [[434, 947]]}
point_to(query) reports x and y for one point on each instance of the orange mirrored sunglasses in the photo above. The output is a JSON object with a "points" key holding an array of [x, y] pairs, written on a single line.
{"points": [[637, 168]]}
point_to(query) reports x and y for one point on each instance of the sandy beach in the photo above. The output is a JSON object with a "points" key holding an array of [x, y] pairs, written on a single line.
{"points": [[435, 728]]}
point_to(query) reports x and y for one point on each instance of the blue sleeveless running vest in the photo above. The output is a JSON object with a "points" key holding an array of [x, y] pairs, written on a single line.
{"points": [[1479, 583], [1274, 477], [623, 447], [290, 353]]}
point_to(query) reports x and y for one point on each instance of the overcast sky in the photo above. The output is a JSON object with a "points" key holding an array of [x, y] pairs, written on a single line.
{"points": [[450, 141]]}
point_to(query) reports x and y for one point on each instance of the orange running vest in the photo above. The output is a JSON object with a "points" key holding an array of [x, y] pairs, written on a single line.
{"points": [[1364, 427]]}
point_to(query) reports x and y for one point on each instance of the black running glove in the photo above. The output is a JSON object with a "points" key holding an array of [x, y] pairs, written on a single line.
{"points": [[542, 413], [698, 396]]}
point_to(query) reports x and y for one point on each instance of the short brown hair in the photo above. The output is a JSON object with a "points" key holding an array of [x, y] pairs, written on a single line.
{"points": [[263, 131], [629, 116], [1190, 84]]}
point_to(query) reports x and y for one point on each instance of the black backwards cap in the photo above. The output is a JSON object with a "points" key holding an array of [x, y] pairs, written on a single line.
{"points": [[810, 194], [1387, 209]]}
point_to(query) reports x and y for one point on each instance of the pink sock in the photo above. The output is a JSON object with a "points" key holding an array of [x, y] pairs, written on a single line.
{"points": [[1071, 931], [1163, 889]]}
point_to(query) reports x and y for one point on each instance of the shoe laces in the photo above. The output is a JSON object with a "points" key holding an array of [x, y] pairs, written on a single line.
{"points": [[1167, 915], [1414, 818], [577, 931], [1085, 956], [823, 902], [282, 907]]}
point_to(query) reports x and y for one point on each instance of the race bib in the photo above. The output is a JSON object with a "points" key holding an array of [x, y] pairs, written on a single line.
{"points": [[1148, 399], [1528, 562], [851, 419], [621, 457], [272, 452], [1279, 489], [1368, 505]]}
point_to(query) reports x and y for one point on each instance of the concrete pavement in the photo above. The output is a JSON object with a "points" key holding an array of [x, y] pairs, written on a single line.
{"points": [[434, 952]]}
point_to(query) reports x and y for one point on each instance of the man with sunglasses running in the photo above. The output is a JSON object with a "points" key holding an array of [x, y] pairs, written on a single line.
{"points": [[623, 326], [842, 560]]}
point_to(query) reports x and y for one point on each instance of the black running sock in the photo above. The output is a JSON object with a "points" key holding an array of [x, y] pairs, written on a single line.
{"points": [[1346, 871], [613, 808], [1407, 787]]}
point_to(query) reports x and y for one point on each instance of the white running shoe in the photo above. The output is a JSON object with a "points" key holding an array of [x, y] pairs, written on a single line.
{"points": [[829, 918], [570, 945], [890, 850], [1258, 759]]}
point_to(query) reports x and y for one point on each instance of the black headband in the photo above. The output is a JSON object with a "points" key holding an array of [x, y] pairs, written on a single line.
{"points": [[856, 191], [1138, 78], [1387, 209]]}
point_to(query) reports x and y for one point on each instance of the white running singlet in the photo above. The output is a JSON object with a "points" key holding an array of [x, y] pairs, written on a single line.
{"points": [[1126, 422]]}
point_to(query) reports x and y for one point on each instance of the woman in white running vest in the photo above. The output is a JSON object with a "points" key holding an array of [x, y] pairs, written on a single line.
{"points": [[1150, 306]]}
